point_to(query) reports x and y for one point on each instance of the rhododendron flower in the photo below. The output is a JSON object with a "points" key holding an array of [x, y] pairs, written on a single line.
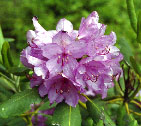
{"points": [[67, 61], [40, 118]]}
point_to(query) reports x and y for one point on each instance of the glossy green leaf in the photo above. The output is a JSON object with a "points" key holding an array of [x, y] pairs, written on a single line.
{"points": [[12, 121], [135, 65], [7, 84], [87, 122], [2, 68], [100, 123], [5, 92], [6, 56], [98, 113], [132, 14], [19, 103], [139, 28], [47, 105], [123, 119], [19, 71], [65, 115]]}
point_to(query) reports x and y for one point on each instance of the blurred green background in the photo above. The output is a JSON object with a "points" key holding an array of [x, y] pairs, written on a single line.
{"points": [[16, 19]]}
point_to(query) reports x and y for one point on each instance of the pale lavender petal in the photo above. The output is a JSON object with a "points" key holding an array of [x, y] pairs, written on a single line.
{"points": [[41, 71], [30, 36], [64, 25], [54, 66], [37, 26], [77, 49], [51, 50], [62, 38], [24, 59], [69, 67]]}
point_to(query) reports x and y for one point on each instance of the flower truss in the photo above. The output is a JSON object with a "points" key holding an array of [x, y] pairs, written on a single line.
{"points": [[40, 118], [69, 62]]}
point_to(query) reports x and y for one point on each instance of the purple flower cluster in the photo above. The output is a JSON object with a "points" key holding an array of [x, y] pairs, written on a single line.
{"points": [[68, 62], [40, 118]]}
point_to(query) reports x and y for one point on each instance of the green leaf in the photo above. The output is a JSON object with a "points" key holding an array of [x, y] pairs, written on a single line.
{"points": [[132, 14], [9, 39], [123, 119], [19, 71], [19, 103], [139, 28], [98, 113], [125, 49], [1, 42], [2, 68], [6, 56], [7, 84], [65, 115], [135, 65], [12, 121], [6, 92], [47, 105], [87, 122], [100, 123], [49, 121]]}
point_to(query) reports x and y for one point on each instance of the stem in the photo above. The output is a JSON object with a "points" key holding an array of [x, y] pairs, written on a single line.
{"points": [[135, 92], [133, 101], [111, 98], [91, 101], [136, 113], [82, 104], [132, 14], [114, 100], [127, 108]]}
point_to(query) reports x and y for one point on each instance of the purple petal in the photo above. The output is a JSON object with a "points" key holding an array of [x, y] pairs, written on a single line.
{"points": [[53, 94], [43, 90], [77, 49], [35, 81], [62, 39], [24, 59], [69, 67], [53, 66], [72, 97], [51, 50]]}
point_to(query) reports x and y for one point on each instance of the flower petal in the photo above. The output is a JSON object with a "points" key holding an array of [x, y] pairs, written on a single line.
{"points": [[69, 67], [53, 66], [43, 90], [62, 39], [30, 36], [51, 50], [37, 26], [77, 49], [72, 97], [64, 25]]}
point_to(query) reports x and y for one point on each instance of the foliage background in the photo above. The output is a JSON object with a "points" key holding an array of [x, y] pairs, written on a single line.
{"points": [[16, 18]]}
